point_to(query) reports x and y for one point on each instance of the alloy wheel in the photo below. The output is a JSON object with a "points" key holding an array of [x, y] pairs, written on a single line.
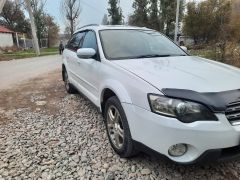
{"points": [[115, 127]]}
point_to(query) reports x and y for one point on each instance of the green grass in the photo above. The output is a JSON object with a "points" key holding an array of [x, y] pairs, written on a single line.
{"points": [[28, 53], [205, 53]]}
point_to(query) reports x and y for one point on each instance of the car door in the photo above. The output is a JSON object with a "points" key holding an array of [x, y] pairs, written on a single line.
{"points": [[71, 56], [89, 68]]}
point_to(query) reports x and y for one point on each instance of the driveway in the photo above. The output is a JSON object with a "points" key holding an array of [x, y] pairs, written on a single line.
{"points": [[16, 71], [48, 134]]}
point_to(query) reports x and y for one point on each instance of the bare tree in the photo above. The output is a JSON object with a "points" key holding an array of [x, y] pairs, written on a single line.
{"points": [[13, 17], [38, 5], [71, 10]]}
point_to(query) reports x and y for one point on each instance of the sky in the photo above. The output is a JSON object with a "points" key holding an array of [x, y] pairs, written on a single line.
{"points": [[92, 11]]}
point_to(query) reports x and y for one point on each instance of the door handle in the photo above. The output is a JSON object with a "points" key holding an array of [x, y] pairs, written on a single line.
{"points": [[78, 61]]}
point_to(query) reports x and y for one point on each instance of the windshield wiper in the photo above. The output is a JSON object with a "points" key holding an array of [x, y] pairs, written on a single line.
{"points": [[151, 56], [156, 55]]}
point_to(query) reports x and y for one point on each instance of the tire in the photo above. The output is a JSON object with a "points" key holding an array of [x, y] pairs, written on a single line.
{"points": [[125, 148], [68, 86]]}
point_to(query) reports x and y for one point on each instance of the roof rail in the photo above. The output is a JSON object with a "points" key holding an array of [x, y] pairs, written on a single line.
{"points": [[88, 25]]}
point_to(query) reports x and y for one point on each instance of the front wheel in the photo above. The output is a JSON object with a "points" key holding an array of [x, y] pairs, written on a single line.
{"points": [[118, 129]]}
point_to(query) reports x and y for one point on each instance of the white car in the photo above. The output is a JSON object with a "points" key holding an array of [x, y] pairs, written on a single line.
{"points": [[155, 96]]}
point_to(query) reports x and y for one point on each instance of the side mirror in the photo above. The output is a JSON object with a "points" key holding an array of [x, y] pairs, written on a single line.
{"points": [[86, 53], [184, 48]]}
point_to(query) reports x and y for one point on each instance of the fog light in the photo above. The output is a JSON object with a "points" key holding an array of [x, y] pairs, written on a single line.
{"points": [[177, 150]]}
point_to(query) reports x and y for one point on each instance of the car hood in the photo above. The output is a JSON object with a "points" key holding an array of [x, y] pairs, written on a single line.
{"points": [[184, 72]]}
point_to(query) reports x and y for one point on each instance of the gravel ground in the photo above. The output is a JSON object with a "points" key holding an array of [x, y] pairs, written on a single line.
{"points": [[47, 134]]}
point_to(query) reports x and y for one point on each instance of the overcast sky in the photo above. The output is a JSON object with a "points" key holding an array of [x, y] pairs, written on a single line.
{"points": [[92, 11]]}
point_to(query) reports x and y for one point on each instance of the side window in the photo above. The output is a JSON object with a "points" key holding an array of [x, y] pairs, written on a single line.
{"points": [[76, 41], [90, 41]]}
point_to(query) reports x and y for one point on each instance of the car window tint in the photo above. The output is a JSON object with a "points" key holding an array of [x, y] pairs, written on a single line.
{"points": [[90, 40], [76, 41], [128, 44]]}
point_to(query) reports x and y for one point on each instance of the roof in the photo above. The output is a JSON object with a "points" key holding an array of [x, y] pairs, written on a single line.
{"points": [[5, 30], [103, 27]]}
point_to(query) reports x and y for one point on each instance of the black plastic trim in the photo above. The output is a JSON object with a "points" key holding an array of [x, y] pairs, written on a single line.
{"points": [[209, 156], [81, 42], [216, 101]]}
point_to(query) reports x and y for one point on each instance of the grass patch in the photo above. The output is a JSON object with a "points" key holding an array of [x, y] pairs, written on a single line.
{"points": [[205, 53], [213, 55], [27, 54]]}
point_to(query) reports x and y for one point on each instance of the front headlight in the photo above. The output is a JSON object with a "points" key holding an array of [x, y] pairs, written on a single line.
{"points": [[185, 111]]}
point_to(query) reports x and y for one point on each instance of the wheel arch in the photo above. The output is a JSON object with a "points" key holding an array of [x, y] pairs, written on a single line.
{"points": [[114, 89]]}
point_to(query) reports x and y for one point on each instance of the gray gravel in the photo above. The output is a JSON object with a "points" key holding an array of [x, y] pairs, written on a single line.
{"points": [[72, 144]]}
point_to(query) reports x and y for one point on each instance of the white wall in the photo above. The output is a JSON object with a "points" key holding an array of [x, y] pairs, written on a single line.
{"points": [[6, 39]]}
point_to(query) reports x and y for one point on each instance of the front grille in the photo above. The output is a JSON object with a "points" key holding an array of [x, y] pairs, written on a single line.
{"points": [[233, 113]]}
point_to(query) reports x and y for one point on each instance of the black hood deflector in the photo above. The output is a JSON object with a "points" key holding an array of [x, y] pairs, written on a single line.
{"points": [[216, 101]]}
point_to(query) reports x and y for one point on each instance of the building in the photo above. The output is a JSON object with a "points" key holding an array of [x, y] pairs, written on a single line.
{"points": [[6, 37]]}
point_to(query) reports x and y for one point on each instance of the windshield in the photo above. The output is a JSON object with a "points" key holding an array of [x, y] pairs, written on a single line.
{"points": [[132, 44]]}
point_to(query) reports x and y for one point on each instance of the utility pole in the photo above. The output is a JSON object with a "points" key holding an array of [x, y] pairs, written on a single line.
{"points": [[2, 4], [33, 27], [177, 21]]}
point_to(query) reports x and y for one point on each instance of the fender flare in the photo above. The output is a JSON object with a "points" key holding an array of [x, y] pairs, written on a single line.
{"points": [[117, 88]]}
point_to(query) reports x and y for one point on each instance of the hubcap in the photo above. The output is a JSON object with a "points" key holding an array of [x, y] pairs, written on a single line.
{"points": [[115, 127]]}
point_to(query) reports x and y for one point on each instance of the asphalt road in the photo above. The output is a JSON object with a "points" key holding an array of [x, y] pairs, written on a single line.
{"points": [[17, 71]]}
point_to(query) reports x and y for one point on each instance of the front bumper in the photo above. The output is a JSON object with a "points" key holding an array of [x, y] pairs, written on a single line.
{"points": [[159, 133]]}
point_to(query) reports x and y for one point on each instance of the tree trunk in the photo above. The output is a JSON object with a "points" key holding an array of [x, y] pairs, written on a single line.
{"points": [[33, 27], [72, 28], [2, 5]]}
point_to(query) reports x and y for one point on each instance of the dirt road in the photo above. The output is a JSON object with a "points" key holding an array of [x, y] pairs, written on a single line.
{"points": [[16, 71]]}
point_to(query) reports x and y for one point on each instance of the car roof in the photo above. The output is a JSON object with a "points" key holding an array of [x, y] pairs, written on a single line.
{"points": [[105, 27]]}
